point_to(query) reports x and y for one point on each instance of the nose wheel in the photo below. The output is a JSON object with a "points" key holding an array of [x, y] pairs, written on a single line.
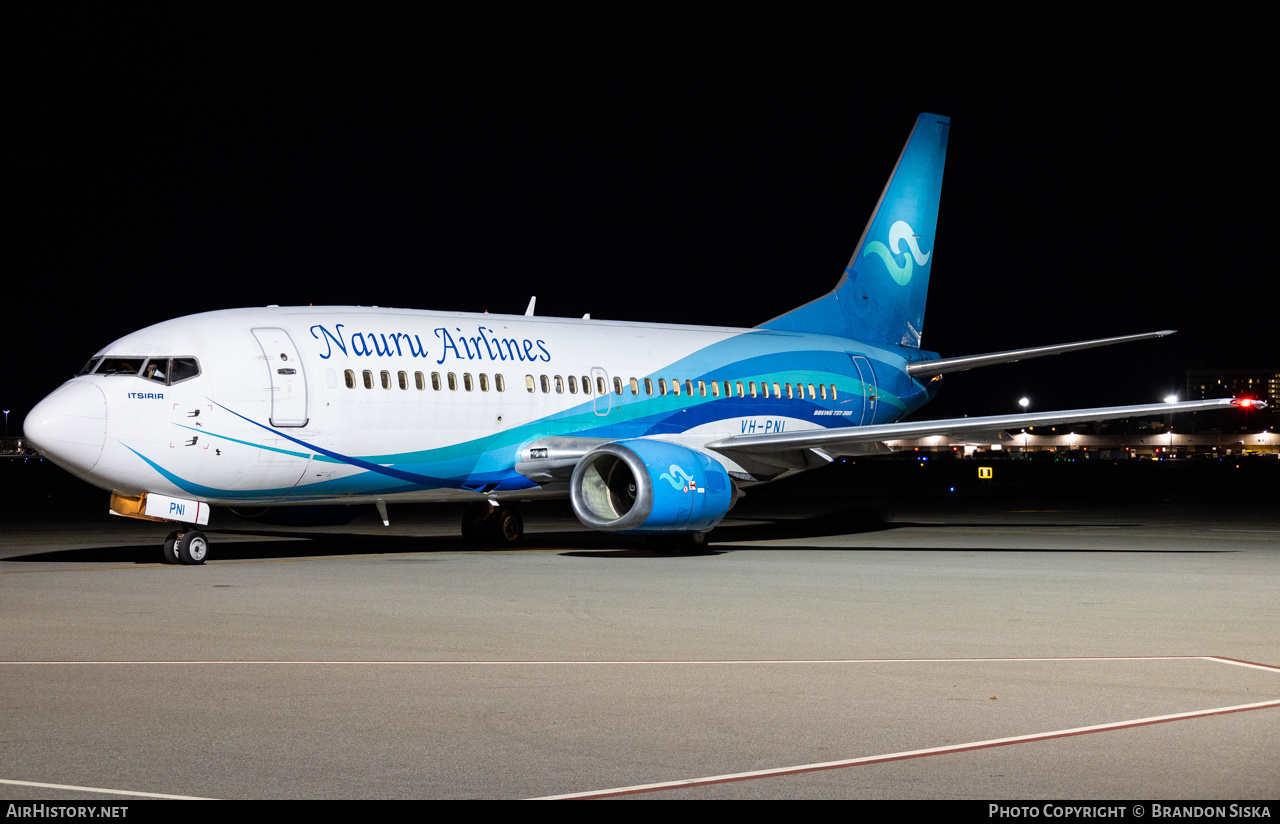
{"points": [[189, 548]]}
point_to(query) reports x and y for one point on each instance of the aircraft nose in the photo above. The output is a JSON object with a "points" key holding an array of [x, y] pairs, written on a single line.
{"points": [[70, 426]]}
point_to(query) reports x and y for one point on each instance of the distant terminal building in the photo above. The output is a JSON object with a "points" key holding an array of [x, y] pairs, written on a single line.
{"points": [[1263, 384]]}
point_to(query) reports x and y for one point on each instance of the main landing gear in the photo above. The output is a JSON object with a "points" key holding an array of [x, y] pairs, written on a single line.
{"points": [[190, 547], [492, 525]]}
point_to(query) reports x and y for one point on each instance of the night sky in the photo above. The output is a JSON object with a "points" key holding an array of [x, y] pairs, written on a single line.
{"points": [[693, 171]]}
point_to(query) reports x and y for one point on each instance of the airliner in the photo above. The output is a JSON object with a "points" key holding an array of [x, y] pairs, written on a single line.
{"points": [[646, 428]]}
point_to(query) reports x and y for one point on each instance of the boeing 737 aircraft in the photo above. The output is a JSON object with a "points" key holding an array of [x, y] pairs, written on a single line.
{"points": [[645, 428]]}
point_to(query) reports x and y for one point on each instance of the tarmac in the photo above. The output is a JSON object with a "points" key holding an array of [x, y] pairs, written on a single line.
{"points": [[1109, 646]]}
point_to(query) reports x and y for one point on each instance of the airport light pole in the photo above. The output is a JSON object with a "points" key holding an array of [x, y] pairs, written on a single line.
{"points": [[1170, 399], [1025, 403], [6, 423]]}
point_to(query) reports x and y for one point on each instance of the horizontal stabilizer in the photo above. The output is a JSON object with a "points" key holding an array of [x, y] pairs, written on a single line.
{"points": [[958, 428], [937, 367]]}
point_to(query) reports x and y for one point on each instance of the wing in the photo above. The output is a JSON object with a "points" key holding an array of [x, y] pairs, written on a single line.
{"points": [[856, 439], [925, 368]]}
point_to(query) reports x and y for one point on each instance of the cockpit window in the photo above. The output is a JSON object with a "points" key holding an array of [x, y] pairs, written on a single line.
{"points": [[180, 369], [120, 366], [88, 367], [167, 371]]}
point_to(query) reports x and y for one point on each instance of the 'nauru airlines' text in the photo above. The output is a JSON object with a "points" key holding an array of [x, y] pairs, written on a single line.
{"points": [[484, 345]]}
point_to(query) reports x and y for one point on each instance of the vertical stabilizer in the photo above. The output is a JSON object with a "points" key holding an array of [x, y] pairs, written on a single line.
{"points": [[881, 296]]}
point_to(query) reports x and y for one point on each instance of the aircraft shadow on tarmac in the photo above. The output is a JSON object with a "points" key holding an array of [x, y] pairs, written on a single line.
{"points": [[275, 544], [284, 544]]}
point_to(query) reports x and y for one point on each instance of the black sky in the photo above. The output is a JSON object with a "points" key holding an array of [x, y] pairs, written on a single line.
{"points": [[691, 171]]}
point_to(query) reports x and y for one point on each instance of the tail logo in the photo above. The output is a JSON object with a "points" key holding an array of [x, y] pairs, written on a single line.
{"points": [[899, 232]]}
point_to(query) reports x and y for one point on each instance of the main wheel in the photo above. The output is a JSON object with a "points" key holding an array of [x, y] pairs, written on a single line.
{"points": [[506, 527], [171, 548], [193, 547], [473, 524]]}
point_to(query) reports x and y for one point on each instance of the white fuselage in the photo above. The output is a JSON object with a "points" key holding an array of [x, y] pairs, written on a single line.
{"points": [[309, 405]]}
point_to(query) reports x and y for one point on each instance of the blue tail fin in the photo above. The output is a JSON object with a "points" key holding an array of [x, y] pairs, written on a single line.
{"points": [[881, 296]]}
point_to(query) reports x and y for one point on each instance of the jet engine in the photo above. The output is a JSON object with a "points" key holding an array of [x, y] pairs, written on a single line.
{"points": [[648, 486]]}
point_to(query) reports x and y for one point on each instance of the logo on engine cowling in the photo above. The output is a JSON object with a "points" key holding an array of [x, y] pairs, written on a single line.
{"points": [[686, 483]]}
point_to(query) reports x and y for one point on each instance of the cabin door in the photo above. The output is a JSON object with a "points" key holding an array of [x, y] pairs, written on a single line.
{"points": [[288, 380], [867, 377]]}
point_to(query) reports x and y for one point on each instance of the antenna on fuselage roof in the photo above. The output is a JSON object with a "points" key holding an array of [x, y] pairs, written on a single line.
{"points": [[528, 313]]}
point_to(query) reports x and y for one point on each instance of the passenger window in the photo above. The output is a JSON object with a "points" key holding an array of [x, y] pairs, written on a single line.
{"points": [[702, 388], [777, 390], [822, 389], [715, 389], [617, 386], [368, 379], [764, 389], [662, 386], [635, 387], [420, 381], [688, 388], [546, 385], [404, 380], [452, 380], [559, 385], [573, 385], [586, 385], [648, 386], [435, 381], [529, 383], [789, 395], [813, 395], [350, 378], [500, 383], [484, 382], [833, 391], [741, 393], [601, 387], [675, 387], [466, 382], [386, 379]]}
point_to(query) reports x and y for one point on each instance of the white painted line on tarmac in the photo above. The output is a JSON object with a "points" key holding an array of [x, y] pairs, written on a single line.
{"points": [[1237, 662], [902, 756], [74, 788], [633, 662]]}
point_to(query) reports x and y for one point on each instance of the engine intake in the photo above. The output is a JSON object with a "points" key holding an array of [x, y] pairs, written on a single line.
{"points": [[644, 485]]}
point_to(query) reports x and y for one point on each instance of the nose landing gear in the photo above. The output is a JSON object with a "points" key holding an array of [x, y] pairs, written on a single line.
{"points": [[190, 547]]}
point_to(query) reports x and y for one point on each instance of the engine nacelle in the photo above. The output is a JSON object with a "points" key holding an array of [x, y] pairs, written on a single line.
{"points": [[649, 486]]}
